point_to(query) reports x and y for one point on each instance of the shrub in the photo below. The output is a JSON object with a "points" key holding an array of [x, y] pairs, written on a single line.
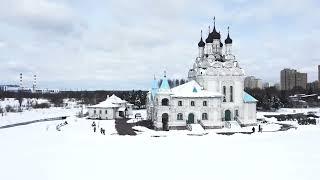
{"points": [[41, 106], [9, 108]]}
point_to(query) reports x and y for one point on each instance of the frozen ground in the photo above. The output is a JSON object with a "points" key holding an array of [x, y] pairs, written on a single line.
{"points": [[38, 151], [36, 114]]}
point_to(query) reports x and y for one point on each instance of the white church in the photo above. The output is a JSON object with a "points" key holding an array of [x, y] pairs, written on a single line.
{"points": [[214, 95]]}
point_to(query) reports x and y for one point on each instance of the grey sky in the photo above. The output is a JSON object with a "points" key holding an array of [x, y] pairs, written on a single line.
{"points": [[118, 44]]}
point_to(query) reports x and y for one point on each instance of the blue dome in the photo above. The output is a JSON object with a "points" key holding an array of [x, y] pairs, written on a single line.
{"points": [[164, 84]]}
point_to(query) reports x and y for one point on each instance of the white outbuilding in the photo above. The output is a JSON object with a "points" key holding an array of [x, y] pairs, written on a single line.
{"points": [[112, 108]]}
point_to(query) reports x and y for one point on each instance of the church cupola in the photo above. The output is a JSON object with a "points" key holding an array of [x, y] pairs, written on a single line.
{"points": [[209, 38], [164, 87], [215, 34], [201, 43], [154, 87], [228, 43], [228, 40], [201, 46]]}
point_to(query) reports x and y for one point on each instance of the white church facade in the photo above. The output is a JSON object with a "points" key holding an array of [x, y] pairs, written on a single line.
{"points": [[213, 96]]}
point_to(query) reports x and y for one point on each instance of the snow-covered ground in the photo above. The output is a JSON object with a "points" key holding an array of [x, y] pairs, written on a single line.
{"points": [[38, 151], [36, 114]]}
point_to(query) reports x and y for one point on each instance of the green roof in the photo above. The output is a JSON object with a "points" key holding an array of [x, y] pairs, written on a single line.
{"points": [[164, 84], [247, 98]]}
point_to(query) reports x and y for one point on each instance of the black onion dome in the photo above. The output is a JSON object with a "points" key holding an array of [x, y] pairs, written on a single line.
{"points": [[215, 34], [228, 40], [201, 43], [209, 38]]}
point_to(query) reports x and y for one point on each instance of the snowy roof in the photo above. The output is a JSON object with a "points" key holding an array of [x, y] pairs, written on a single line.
{"points": [[193, 89], [112, 101], [247, 98]]}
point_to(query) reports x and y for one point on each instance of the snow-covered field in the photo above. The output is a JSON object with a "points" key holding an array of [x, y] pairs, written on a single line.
{"points": [[36, 114], [38, 151]]}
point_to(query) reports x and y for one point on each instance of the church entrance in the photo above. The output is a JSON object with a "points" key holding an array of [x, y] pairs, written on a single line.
{"points": [[227, 115], [165, 119], [190, 118]]}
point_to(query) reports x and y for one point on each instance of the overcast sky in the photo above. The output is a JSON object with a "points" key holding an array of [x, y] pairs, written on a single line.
{"points": [[117, 44]]}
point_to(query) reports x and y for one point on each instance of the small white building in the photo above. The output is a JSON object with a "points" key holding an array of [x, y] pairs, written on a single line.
{"points": [[213, 97], [112, 108]]}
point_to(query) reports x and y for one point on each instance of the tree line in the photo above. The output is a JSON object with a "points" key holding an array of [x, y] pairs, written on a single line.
{"points": [[136, 97], [272, 98]]}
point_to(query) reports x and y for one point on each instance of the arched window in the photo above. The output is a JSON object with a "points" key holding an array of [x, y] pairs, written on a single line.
{"points": [[94, 111], [231, 93], [204, 103], [204, 116], [100, 111], [106, 112], [165, 102], [192, 103], [180, 116]]}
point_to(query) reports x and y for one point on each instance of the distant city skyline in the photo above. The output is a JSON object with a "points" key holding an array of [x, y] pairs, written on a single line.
{"points": [[120, 45]]}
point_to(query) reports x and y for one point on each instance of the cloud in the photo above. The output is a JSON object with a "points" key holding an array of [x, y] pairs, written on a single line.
{"points": [[121, 45], [42, 15]]}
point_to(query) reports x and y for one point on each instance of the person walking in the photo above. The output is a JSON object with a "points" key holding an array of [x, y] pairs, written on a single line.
{"points": [[94, 126]]}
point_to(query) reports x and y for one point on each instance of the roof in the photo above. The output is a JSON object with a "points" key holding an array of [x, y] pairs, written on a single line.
{"points": [[154, 87], [110, 102], [193, 89], [247, 98], [164, 84], [228, 40]]}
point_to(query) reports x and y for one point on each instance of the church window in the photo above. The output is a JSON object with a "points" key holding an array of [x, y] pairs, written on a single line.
{"points": [[231, 93], [224, 93], [192, 103], [94, 111], [180, 116], [204, 116], [106, 112], [165, 102], [204, 103], [100, 111], [179, 103], [237, 112]]}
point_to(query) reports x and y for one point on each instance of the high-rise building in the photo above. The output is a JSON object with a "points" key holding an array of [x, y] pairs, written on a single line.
{"points": [[252, 82], [291, 78], [266, 85], [313, 85]]}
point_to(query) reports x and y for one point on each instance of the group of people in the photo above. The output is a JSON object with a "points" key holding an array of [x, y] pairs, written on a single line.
{"points": [[259, 129], [60, 125], [102, 131]]}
